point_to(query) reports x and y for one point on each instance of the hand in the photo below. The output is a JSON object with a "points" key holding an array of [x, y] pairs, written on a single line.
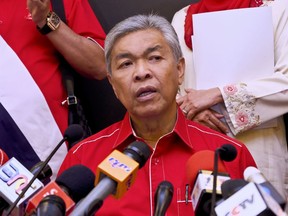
{"points": [[211, 119], [39, 10], [196, 101]]}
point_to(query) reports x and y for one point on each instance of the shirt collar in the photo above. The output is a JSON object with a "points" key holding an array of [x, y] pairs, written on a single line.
{"points": [[126, 131]]}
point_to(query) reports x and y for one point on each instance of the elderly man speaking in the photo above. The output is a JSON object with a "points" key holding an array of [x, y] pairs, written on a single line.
{"points": [[145, 67]]}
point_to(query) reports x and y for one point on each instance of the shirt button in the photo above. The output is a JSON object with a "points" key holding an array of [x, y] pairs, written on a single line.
{"points": [[156, 161]]}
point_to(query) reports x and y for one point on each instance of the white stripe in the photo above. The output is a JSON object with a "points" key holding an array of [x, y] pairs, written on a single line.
{"points": [[26, 104], [215, 134], [98, 138]]}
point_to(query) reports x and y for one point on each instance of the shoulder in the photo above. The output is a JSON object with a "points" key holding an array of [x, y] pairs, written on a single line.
{"points": [[105, 137]]}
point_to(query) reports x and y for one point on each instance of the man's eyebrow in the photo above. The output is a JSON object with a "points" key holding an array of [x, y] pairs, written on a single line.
{"points": [[122, 55], [146, 52], [152, 49]]}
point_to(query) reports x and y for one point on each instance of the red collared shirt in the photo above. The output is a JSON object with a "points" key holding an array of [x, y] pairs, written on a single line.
{"points": [[168, 162]]}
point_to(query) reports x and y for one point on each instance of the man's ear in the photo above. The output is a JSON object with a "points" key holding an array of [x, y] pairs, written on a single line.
{"points": [[181, 70], [110, 79]]}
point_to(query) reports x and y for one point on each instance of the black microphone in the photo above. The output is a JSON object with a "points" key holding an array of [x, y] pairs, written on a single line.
{"points": [[51, 205], [115, 175], [227, 152], [43, 175], [72, 185], [231, 186], [163, 198], [73, 133]]}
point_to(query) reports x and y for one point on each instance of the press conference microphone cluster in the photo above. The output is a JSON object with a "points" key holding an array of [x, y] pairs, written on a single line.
{"points": [[72, 134], [201, 169], [114, 175], [163, 198], [71, 186], [252, 196]]}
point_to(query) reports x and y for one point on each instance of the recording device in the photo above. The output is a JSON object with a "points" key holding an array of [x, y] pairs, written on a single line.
{"points": [[227, 152], [3, 157], [14, 177], [114, 175], [250, 200], [252, 174], [199, 172], [71, 186], [73, 132], [163, 198]]}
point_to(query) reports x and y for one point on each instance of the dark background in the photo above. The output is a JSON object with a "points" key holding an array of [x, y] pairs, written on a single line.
{"points": [[98, 99]]}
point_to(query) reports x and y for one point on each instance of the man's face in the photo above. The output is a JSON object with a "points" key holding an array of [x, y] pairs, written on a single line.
{"points": [[145, 75]]}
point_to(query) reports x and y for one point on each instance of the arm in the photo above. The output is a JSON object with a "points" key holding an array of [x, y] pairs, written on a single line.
{"points": [[85, 55], [262, 99]]}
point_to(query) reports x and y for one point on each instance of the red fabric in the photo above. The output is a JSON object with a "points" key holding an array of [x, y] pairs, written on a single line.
{"points": [[168, 162], [210, 6], [38, 54]]}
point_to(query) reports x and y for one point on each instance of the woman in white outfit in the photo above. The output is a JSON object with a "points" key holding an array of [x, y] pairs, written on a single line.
{"points": [[252, 109]]}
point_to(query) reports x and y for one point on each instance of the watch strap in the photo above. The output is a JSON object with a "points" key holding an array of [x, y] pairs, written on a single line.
{"points": [[45, 29]]}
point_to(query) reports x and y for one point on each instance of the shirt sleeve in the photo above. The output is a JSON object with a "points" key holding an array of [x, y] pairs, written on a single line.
{"points": [[82, 20], [255, 102]]}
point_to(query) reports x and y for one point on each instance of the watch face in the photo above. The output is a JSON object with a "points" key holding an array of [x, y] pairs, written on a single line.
{"points": [[53, 21]]}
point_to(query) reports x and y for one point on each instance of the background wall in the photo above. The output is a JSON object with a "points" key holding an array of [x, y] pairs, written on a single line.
{"points": [[98, 99]]}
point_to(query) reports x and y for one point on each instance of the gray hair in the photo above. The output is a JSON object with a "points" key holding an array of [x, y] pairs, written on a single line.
{"points": [[142, 22]]}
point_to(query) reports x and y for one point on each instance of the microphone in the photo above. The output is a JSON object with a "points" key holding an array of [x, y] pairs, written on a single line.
{"points": [[73, 133], [3, 157], [227, 152], [114, 175], [248, 200], [51, 205], [252, 174], [163, 198], [199, 173], [43, 175], [231, 186], [71, 186], [14, 177]]}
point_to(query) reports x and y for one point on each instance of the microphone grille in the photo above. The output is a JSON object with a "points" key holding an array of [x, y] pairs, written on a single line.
{"points": [[73, 133], [227, 152], [139, 151], [78, 179]]}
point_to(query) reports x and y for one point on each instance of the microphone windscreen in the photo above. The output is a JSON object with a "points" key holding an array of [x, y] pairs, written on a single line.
{"points": [[252, 174], [3, 157], [202, 160], [227, 152], [231, 186], [73, 133], [78, 180], [138, 151]]}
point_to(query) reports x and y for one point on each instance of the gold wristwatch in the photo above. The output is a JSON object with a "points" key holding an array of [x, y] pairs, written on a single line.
{"points": [[52, 23]]}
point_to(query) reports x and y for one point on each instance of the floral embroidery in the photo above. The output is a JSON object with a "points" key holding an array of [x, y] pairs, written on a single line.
{"points": [[230, 89], [242, 118], [241, 106]]}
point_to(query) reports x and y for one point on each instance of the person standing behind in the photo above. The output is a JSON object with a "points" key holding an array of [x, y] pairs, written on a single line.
{"points": [[33, 118], [145, 67], [249, 105]]}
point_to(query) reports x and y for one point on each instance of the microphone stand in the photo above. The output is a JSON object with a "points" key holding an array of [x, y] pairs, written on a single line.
{"points": [[215, 171]]}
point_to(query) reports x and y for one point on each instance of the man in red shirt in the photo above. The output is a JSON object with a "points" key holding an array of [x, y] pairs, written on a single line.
{"points": [[145, 66], [33, 117]]}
